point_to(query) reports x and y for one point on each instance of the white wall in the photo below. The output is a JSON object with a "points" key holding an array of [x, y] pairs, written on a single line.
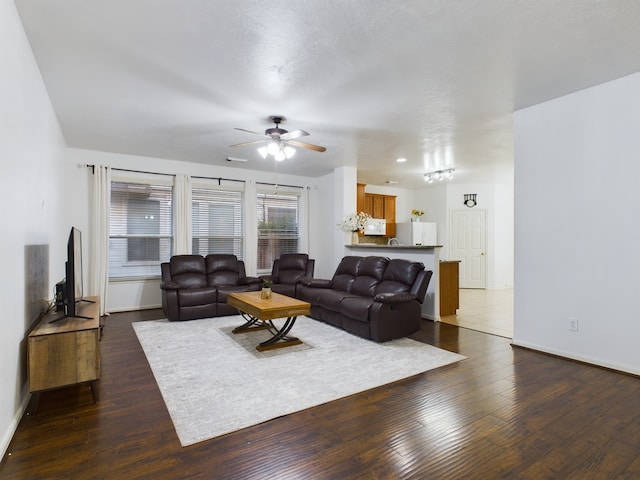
{"points": [[577, 233], [323, 226], [35, 198]]}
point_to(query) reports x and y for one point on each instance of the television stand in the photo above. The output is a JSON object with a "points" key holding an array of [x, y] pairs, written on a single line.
{"points": [[54, 320], [65, 353]]}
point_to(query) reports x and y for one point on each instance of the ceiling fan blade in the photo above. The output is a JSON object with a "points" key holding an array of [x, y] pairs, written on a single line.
{"points": [[310, 146], [249, 131], [253, 142], [294, 134]]}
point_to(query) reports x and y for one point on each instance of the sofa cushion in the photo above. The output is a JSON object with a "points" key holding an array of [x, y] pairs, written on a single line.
{"points": [[224, 290], [370, 273], [330, 299], [293, 261], [345, 273], [356, 308], [222, 269], [399, 276], [188, 271], [197, 296]]}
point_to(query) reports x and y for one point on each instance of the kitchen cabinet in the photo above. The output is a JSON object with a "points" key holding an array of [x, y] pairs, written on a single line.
{"points": [[378, 206], [449, 288]]}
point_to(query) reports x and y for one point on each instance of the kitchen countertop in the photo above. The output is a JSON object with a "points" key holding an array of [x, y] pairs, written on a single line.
{"points": [[396, 247]]}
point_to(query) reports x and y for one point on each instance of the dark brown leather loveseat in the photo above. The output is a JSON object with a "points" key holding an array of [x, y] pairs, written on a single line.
{"points": [[194, 286], [373, 297]]}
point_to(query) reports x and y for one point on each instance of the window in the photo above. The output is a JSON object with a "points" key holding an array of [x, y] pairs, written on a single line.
{"points": [[278, 227], [140, 229], [217, 222]]}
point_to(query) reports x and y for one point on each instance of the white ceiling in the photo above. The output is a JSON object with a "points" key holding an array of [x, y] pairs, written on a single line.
{"points": [[435, 81]]}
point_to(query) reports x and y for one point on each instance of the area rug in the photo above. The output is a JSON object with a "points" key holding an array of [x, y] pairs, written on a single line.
{"points": [[215, 382]]}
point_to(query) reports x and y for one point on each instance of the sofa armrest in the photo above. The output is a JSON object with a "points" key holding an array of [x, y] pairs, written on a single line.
{"points": [[248, 280], [394, 298], [169, 286], [315, 282]]}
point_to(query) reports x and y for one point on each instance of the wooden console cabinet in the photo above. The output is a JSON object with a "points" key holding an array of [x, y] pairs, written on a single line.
{"points": [[66, 352], [449, 288]]}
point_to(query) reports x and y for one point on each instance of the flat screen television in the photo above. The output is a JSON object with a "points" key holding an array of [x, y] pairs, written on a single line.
{"points": [[72, 290]]}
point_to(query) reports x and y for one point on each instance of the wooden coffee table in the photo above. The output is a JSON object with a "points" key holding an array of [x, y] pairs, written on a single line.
{"points": [[259, 314]]}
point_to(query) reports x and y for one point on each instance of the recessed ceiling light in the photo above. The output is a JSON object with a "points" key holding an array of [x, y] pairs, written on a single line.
{"points": [[400, 160]]}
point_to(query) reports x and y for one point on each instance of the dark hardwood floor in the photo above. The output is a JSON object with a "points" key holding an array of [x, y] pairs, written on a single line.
{"points": [[502, 413]]}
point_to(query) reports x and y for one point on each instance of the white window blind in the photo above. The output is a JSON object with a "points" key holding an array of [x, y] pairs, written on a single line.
{"points": [[140, 229], [217, 224], [278, 227]]}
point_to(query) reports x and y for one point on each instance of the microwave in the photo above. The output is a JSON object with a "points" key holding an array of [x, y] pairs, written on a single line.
{"points": [[376, 226]]}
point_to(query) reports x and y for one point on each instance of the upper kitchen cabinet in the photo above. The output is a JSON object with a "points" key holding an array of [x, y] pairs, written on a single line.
{"points": [[378, 206]]}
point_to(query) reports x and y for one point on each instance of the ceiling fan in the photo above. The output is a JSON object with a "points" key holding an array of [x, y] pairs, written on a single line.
{"points": [[279, 141]]}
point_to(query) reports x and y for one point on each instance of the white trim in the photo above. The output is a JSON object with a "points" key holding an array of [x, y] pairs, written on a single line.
{"points": [[633, 369], [164, 179], [13, 426]]}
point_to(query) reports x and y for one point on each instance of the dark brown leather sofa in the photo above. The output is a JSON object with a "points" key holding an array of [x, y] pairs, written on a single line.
{"points": [[287, 272], [194, 286], [372, 297]]}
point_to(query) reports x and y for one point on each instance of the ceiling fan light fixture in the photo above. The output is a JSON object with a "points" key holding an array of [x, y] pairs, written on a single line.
{"points": [[289, 151], [273, 148], [263, 151], [280, 156]]}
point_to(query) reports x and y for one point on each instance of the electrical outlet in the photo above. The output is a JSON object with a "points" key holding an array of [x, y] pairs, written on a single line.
{"points": [[573, 324]]}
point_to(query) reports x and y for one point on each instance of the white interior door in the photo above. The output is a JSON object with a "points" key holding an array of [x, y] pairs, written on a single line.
{"points": [[468, 244]]}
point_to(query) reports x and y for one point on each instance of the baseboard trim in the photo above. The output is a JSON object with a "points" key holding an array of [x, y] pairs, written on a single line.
{"points": [[626, 369], [134, 308], [13, 426]]}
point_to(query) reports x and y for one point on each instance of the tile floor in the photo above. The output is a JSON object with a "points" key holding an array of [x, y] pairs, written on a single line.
{"points": [[489, 311]]}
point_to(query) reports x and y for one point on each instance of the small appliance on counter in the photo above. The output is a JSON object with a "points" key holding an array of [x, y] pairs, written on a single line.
{"points": [[376, 226], [417, 233]]}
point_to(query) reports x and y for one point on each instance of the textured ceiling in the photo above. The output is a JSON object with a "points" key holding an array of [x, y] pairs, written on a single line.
{"points": [[434, 81]]}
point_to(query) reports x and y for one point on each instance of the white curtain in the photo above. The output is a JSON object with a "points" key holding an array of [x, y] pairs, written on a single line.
{"points": [[182, 214], [250, 230], [99, 253], [304, 220]]}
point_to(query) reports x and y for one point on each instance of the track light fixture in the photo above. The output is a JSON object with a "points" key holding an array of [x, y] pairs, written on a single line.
{"points": [[439, 175]]}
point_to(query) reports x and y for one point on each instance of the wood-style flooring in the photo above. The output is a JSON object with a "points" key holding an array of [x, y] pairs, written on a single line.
{"points": [[503, 413], [489, 311]]}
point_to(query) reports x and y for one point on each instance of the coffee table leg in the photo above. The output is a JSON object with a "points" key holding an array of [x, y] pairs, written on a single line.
{"points": [[280, 338], [251, 324]]}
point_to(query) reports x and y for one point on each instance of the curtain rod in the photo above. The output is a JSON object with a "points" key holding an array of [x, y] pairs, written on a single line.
{"points": [[278, 185], [92, 167]]}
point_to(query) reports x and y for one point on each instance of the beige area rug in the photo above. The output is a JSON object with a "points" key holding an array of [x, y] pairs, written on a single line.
{"points": [[214, 382]]}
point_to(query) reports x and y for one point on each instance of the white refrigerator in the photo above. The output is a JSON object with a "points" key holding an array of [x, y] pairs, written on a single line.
{"points": [[417, 233]]}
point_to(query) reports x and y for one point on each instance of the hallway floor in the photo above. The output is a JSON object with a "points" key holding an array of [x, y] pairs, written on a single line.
{"points": [[489, 311]]}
